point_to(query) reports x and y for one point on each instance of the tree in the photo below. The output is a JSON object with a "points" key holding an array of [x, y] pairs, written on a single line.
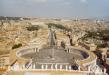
{"points": [[62, 44], [33, 28], [16, 46]]}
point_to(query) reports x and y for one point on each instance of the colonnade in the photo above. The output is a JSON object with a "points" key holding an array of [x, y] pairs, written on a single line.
{"points": [[43, 67], [26, 51], [51, 66]]}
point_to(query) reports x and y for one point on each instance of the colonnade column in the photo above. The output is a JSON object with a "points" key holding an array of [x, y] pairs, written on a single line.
{"points": [[66, 67], [8, 68], [69, 67], [104, 70], [35, 49], [79, 68], [56, 66], [23, 66], [60, 66], [42, 67], [31, 66], [52, 66], [34, 66], [46, 66], [88, 68]]}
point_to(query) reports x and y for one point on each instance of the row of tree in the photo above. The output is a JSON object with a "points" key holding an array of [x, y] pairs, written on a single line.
{"points": [[58, 26], [101, 35], [12, 18]]}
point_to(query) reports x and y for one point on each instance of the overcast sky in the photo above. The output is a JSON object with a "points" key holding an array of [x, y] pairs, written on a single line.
{"points": [[55, 8]]}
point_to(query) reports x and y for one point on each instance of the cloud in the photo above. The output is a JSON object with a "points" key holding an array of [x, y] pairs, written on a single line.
{"points": [[36, 1], [40, 1], [67, 3], [83, 1]]}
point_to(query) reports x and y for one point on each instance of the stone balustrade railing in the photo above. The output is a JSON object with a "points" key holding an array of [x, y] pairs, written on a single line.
{"points": [[44, 68]]}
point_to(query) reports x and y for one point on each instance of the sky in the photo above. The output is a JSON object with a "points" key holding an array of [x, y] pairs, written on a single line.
{"points": [[55, 8]]}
